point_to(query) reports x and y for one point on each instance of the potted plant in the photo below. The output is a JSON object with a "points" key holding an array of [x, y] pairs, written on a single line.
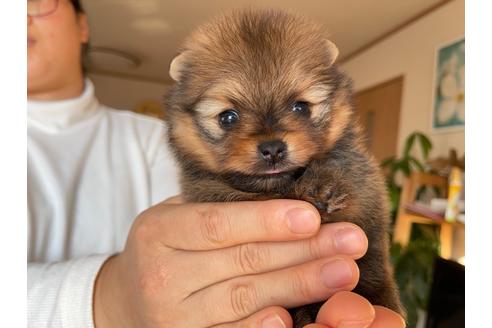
{"points": [[413, 264], [392, 166]]}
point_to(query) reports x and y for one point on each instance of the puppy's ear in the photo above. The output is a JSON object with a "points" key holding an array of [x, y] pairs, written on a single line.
{"points": [[332, 50], [177, 65]]}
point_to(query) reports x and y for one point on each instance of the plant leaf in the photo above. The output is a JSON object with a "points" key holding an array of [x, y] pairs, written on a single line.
{"points": [[394, 168], [409, 144], [395, 253], [426, 145], [404, 165], [416, 163], [388, 161]]}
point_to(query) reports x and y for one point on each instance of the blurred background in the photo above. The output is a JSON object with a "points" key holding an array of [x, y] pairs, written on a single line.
{"points": [[406, 59]]}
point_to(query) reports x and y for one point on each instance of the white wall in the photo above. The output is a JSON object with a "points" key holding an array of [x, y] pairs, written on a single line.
{"points": [[411, 52], [126, 93]]}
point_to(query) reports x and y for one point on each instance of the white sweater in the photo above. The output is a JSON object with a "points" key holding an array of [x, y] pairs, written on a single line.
{"points": [[91, 171]]}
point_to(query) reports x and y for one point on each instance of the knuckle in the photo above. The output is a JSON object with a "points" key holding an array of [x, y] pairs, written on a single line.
{"points": [[215, 226], [243, 299], [142, 228], [250, 257], [300, 285], [313, 248], [266, 223]]}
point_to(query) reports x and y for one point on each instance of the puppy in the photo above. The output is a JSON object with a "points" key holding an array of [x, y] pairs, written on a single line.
{"points": [[260, 110]]}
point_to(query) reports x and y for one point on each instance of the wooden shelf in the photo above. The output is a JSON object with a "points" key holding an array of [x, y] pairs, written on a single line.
{"points": [[406, 218]]}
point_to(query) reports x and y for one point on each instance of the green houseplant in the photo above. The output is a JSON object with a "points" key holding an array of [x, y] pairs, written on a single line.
{"points": [[413, 264], [404, 165]]}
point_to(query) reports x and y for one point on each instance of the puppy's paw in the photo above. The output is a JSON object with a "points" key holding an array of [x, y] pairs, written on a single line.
{"points": [[329, 200]]}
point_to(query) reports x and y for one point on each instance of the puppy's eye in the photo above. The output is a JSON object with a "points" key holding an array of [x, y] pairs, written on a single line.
{"points": [[301, 107], [228, 118]]}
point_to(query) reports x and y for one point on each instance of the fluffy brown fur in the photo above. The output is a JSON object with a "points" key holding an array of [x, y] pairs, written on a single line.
{"points": [[262, 64]]}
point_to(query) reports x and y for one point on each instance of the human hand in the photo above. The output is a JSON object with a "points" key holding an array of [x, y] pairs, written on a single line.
{"points": [[347, 309], [225, 265]]}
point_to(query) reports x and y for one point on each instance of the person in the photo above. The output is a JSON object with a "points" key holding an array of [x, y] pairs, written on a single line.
{"points": [[104, 250]]}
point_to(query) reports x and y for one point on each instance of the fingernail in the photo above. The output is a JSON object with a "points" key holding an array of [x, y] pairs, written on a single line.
{"points": [[272, 321], [350, 241], [301, 220], [336, 274]]}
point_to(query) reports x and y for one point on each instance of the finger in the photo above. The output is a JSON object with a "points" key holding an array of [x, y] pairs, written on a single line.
{"points": [[333, 239], [271, 317], [385, 318], [307, 283], [178, 199], [346, 309], [205, 226]]}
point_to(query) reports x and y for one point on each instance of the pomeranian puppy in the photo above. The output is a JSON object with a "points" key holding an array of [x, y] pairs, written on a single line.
{"points": [[260, 110]]}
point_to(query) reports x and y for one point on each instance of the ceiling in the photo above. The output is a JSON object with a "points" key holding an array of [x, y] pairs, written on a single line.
{"points": [[152, 30]]}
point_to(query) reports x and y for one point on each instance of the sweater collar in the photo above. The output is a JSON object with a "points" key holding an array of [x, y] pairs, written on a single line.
{"points": [[59, 115]]}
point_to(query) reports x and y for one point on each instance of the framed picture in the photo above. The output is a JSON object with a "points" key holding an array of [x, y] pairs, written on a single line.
{"points": [[449, 87]]}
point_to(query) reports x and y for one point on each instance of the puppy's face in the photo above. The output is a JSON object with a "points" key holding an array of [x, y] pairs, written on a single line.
{"points": [[256, 94]]}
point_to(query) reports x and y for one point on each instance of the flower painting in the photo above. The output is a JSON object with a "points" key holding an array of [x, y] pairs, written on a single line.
{"points": [[449, 92]]}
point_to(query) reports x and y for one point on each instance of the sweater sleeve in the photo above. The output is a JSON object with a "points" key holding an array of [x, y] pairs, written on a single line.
{"points": [[164, 172], [60, 294]]}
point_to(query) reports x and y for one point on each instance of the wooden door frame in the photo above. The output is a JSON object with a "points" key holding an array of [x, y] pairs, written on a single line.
{"points": [[382, 84], [399, 78]]}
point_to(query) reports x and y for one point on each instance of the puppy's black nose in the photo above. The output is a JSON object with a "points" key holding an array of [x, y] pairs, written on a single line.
{"points": [[272, 151]]}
